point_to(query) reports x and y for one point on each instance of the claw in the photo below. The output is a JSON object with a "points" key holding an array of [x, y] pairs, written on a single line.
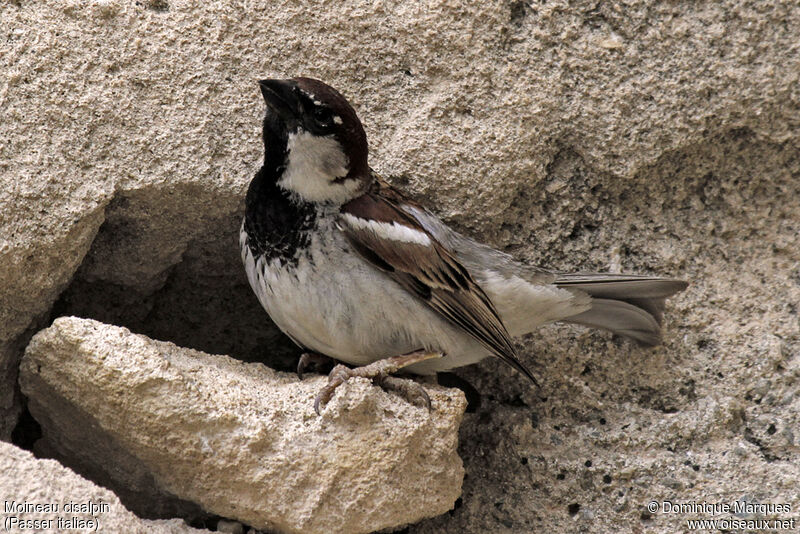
{"points": [[302, 364], [410, 389], [336, 378], [379, 371], [427, 398], [308, 359]]}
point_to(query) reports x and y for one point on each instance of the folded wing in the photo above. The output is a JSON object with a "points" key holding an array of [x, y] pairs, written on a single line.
{"points": [[394, 241]]}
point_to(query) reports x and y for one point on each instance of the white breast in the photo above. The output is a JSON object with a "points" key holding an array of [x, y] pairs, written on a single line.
{"points": [[334, 303]]}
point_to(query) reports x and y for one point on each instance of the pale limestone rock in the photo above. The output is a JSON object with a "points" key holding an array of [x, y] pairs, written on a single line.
{"points": [[145, 116], [240, 439], [24, 480], [34, 269], [638, 136]]}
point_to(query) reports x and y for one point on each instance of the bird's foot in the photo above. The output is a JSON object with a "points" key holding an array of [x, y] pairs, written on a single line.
{"points": [[380, 371], [411, 390], [311, 359]]}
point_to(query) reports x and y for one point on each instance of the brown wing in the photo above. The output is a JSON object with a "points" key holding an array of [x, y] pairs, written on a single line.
{"points": [[392, 240]]}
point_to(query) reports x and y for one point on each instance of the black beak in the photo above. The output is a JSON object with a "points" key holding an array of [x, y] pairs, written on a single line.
{"points": [[281, 98]]}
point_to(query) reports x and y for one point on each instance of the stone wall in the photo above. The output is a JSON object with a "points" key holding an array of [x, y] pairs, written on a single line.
{"points": [[635, 137]]}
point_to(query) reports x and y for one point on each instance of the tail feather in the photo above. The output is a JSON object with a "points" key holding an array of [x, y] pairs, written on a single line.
{"points": [[631, 306]]}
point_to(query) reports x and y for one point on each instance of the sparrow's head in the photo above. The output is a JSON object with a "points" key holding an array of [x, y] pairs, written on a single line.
{"points": [[314, 138]]}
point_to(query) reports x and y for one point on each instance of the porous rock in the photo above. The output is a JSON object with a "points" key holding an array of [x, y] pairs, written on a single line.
{"points": [[135, 120], [27, 482], [710, 416], [650, 137], [240, 439]]}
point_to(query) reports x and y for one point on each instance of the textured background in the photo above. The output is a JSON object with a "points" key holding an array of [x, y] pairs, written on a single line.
{"points": [[578, 135]]}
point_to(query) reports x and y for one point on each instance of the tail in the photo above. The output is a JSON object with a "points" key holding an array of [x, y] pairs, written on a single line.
{"points": [[628, 305]]}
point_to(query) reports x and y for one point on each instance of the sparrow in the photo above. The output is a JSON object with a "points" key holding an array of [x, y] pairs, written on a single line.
{"points": [[352, 269]]}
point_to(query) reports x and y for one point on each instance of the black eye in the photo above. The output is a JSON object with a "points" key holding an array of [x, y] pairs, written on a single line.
{"points": [[322, 115]]}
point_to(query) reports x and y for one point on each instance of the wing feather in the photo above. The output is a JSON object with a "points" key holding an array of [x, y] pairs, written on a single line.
{"points": [[394, 241]]}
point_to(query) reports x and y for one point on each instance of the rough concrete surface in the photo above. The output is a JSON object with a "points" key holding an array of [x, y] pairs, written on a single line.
{"points": [[26, 481], [634, 136], [240, 439]]}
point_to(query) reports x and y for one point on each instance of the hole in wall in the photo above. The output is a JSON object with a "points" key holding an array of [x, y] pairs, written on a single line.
{"points": [[176, 277]]}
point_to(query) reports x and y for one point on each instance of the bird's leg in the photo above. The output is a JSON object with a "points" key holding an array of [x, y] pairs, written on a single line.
{"points": [[308, 359], [379, 372]]}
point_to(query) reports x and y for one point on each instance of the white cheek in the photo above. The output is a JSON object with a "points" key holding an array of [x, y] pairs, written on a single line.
{"points": [[312, 166]]}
